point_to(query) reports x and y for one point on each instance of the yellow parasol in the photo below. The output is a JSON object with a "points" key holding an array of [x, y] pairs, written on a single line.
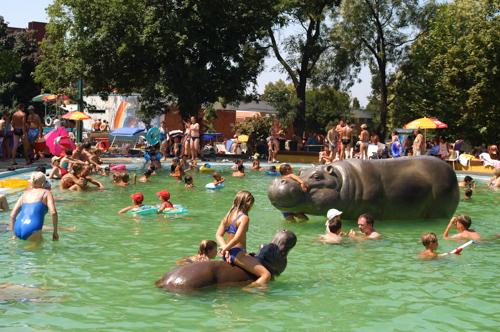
{"points": [[243, 138], [425, 123], [77, 116]]}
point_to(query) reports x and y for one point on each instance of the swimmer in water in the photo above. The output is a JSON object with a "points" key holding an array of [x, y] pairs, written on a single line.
{"points": [[27, 216], [240, 172], [206, 252], [121, 179], [188, 182], [462, 223], [218, 179], [137, 198], [235, 224], [286, 173], [495, 180], [333, 225], [468, 194], [468, 182], [430, 242], [146, 177], [4, 205], [178, 172], [256, 165], [164, 196]]}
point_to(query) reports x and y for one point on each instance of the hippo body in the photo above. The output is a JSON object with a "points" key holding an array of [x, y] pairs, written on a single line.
{"points": [[402, 188], [212, 273]]}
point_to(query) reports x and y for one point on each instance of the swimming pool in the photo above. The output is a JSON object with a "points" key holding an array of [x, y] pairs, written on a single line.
{"points": [[101, 275]]}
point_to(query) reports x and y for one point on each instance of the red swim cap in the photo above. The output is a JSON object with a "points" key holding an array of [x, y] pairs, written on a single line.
{"points": [[137, 197], [163, 194]]}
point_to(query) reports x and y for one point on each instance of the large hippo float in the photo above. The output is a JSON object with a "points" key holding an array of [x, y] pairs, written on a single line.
{"points": [[402, 188], [203, 274]]}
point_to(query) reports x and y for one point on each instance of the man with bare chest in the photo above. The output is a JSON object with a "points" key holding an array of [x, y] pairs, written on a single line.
{"points": [[19, 132], [35, 128], [345, 140]]}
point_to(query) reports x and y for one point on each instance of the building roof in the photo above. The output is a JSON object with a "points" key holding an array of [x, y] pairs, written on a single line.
{"points": [[254, 106]]}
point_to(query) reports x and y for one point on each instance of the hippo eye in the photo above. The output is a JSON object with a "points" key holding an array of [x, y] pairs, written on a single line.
{"points": [[330, 170], [317, 176]]}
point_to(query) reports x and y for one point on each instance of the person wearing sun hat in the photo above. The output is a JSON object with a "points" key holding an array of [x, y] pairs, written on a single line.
{"points": [[137, 198], [57, 171], [333, 225], [164, 196]]}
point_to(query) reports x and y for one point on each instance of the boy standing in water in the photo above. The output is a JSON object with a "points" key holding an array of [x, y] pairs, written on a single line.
{"points": [[333, 228], [286, 173], [430, 242]]}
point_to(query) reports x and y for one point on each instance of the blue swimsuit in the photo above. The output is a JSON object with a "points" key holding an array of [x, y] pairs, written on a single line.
{"points": [[232, 229], [30, 219]]}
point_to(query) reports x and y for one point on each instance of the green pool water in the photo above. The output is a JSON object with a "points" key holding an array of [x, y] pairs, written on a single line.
{"points": [[101, 276]]}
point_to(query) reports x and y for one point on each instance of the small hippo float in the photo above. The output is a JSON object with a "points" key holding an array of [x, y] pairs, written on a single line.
{"points": [[203, 274], [402, 188]]}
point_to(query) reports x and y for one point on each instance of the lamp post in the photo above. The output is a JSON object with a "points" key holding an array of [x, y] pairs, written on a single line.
{"points": [[79, 124]]}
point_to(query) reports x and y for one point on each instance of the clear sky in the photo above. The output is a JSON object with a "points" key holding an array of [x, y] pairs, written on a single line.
{"points": [[19, 12]]}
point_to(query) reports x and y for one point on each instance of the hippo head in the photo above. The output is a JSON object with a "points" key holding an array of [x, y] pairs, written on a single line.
{"points": [[323, 182], [274, 255]]}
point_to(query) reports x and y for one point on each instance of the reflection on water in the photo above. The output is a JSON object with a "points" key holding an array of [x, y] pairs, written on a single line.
{"points": [[105, 269]]}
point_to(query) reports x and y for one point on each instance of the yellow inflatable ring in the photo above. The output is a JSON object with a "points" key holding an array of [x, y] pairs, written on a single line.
{"points": [[14, 183], [204, 169]]}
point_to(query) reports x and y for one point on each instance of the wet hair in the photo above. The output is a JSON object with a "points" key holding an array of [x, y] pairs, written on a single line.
{"points": [[188, 179], [125, 177], [243, 201], [428, 238], [272, 168], [148, 173], [77, 168], [216, 176], [41, 169], [369, 219], [206, 246], [285, 169], [241, 168], [465, 221], [334, 225], [255, 162], [468, 192], [467, 178]]}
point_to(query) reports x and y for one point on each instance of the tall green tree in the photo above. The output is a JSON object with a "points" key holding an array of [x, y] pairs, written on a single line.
{"points": [[453, 72], [18, 58], [192, 51], [324, 105], [302, 51], [380, 30]]}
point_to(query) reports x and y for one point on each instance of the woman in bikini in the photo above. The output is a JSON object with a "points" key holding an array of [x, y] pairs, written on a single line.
{"points": [[235, 224]]}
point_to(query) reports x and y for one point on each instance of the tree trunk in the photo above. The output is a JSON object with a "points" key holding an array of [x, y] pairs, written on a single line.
{"points": [[300, 119], [382, 129]]}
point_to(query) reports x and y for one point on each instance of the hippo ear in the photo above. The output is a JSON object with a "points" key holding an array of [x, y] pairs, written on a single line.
{"points": [[332, 171]]}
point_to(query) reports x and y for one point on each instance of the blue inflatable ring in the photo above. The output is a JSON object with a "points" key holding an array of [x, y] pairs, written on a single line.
{"points": [[271, 173], [153, 209], [211, 186], [153, 136]]}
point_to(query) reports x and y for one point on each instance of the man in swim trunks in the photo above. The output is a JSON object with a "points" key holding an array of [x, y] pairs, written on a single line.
{"points": [[462, 223], [364, 138], [365, 225], [194, 130], [35, 128], [345, 137], [19, 126], [332, 139]]}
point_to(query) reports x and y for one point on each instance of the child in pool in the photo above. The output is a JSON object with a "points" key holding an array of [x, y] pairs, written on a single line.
{"points": [[468, 182], [178, 171], [206, 252], [165, 200], [235, 224], [188, 182], [121, 179], [272, 169], [430, 242], [256, 165], [468, 194], [137, 198], [240, 172], [286, 173], [218, 179], [146, 177]]}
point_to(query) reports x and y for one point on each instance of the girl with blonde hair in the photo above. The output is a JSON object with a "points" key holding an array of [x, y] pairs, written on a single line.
{"points": [[235, 224]]}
